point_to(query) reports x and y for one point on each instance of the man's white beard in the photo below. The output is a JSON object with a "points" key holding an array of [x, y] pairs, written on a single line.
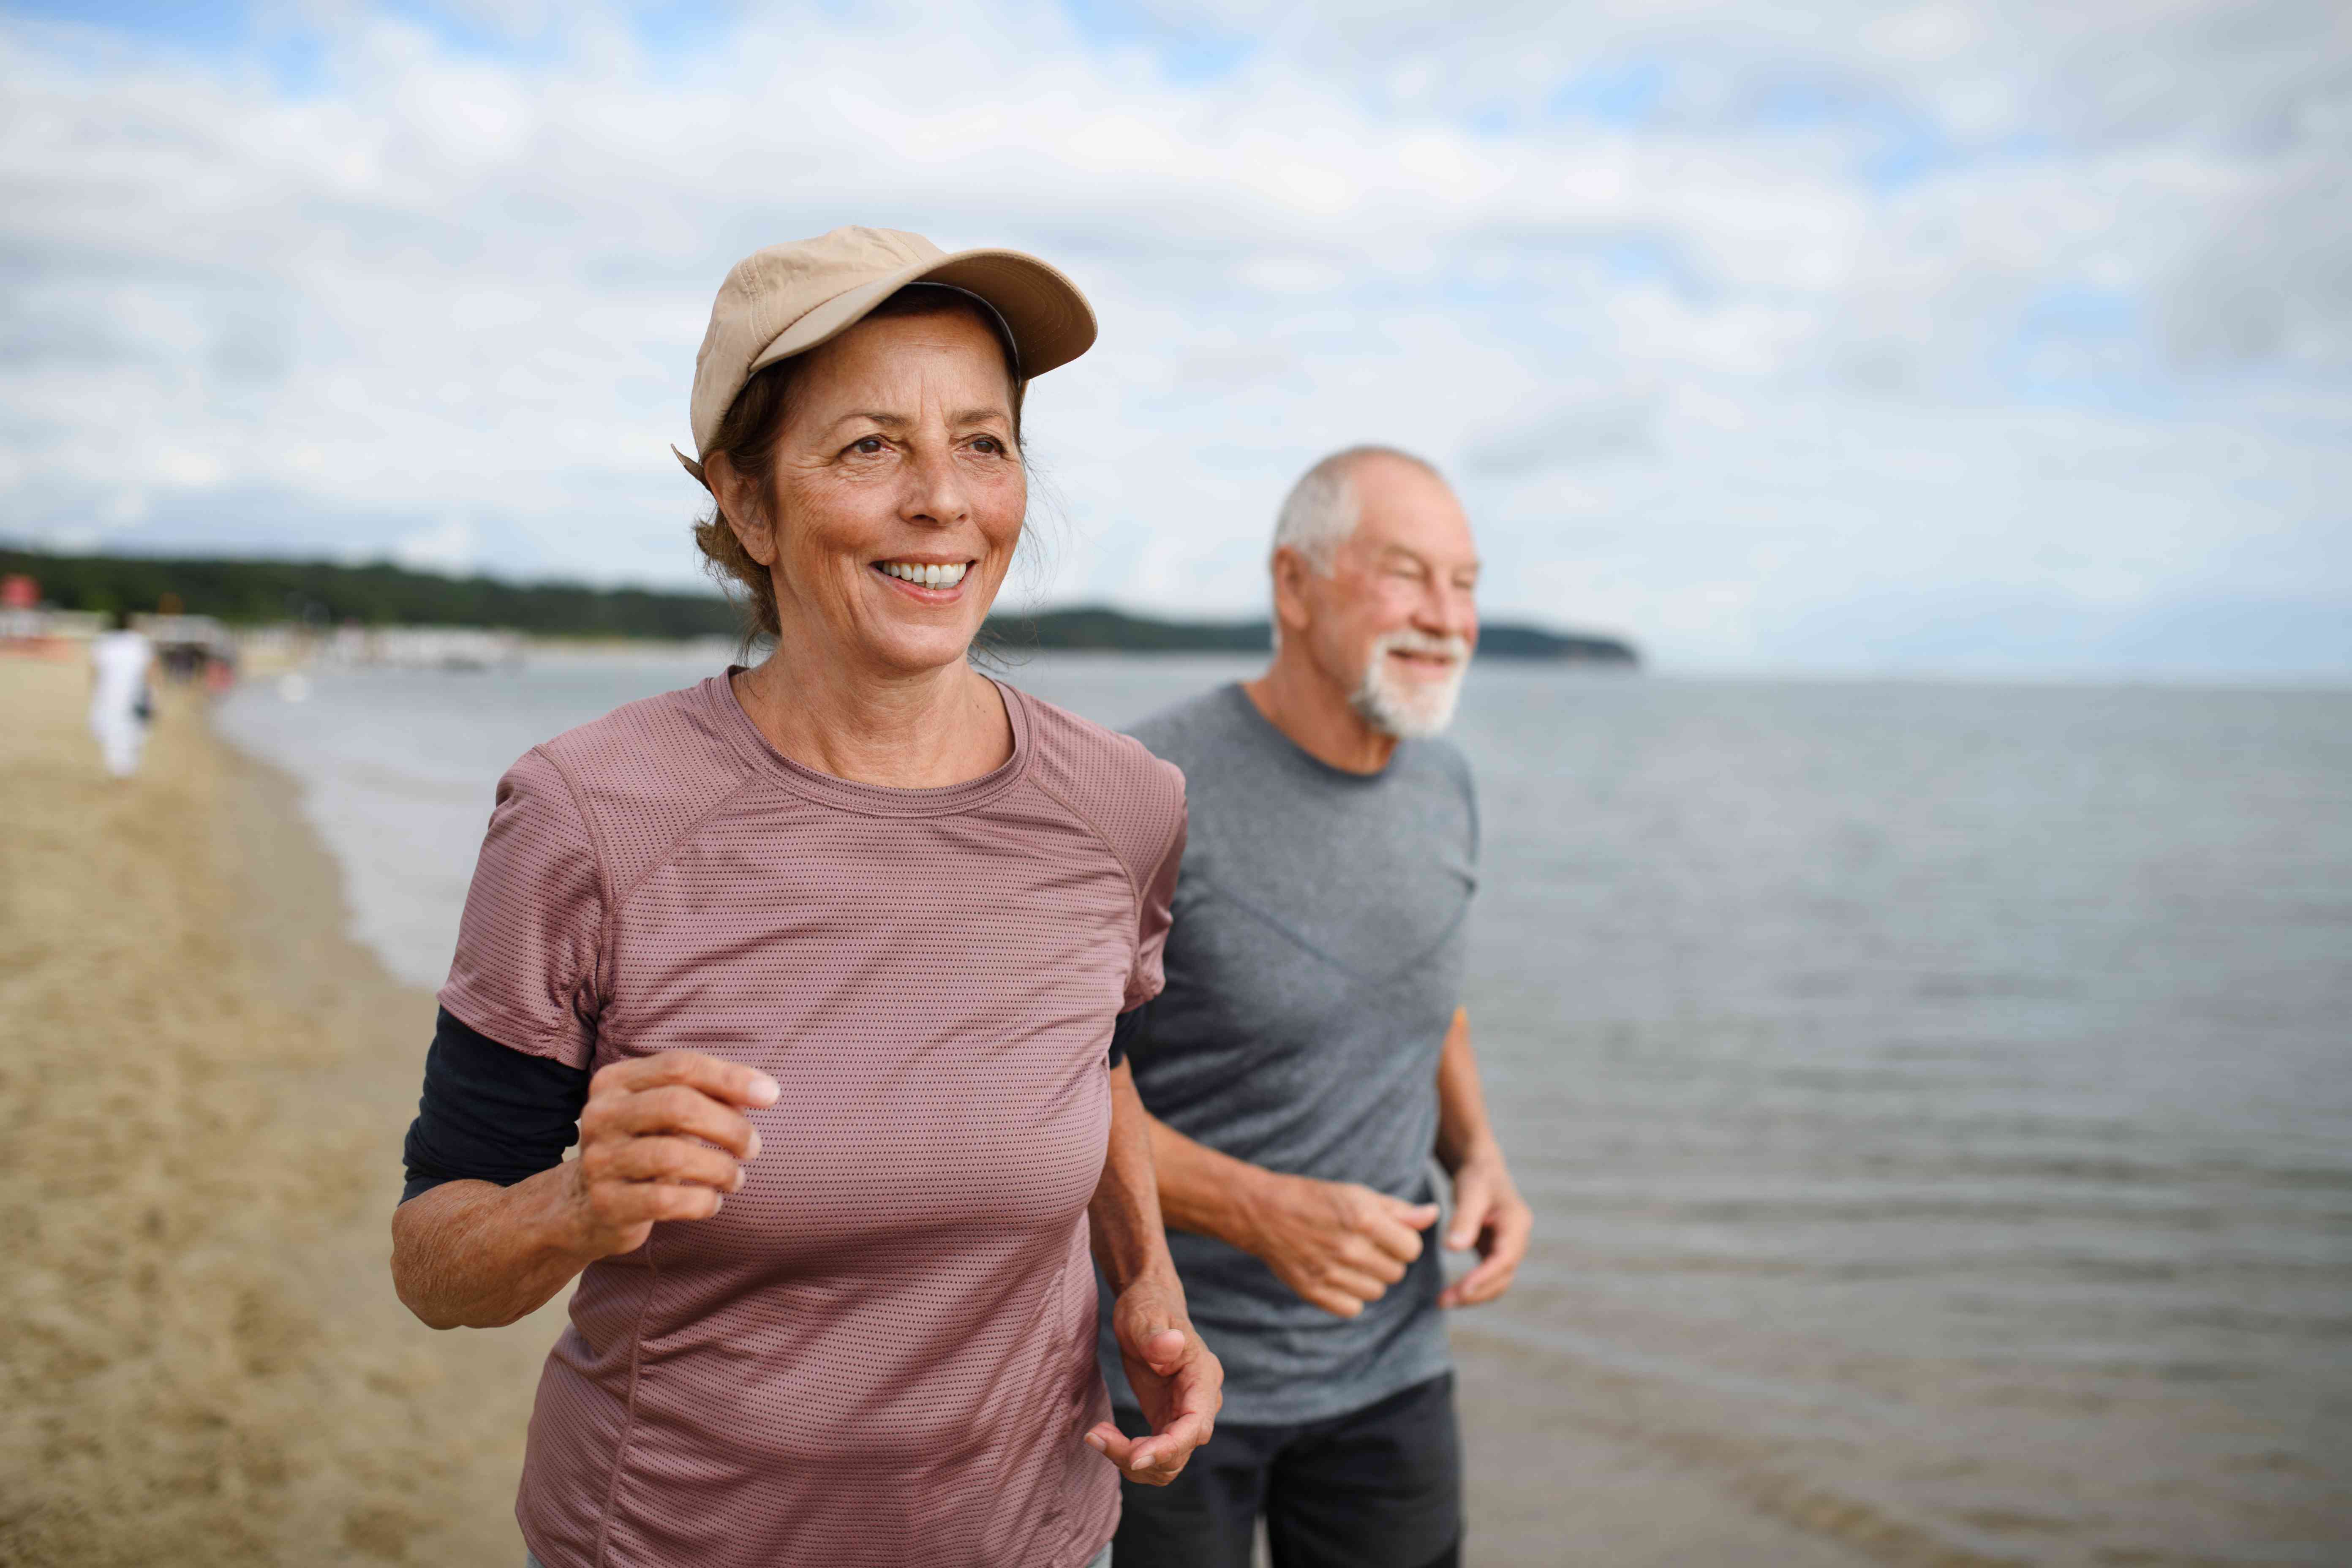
{"points": [[1411, 710]]}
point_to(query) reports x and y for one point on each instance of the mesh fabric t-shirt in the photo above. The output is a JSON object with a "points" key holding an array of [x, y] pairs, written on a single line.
{"points": [[881, 1350]]}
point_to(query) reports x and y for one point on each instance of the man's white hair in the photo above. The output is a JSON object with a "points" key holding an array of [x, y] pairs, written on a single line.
{"points": [[1323, 508]]}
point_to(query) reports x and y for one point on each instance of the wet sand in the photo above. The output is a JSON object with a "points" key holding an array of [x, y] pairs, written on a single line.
{"points": [[209, 1084]]}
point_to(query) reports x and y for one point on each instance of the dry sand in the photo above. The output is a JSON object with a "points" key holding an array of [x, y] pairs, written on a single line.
{"points": [[208, 1083]]}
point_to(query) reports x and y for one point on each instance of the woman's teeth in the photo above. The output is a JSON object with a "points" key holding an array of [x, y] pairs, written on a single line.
{"points": [[926, 576]]}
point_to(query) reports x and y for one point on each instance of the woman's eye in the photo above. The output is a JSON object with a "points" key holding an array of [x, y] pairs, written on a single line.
{"points": [[990, 445], [867, 447]]}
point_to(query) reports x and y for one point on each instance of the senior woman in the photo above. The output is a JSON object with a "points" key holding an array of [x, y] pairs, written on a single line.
{"points": [[844, 939]]}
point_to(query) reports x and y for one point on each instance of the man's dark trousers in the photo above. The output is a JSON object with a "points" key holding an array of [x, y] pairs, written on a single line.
{"points": [[1377, 1488]]}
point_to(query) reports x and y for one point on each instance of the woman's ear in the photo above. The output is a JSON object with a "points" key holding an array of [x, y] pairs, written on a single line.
{"points": [[742, 506]]}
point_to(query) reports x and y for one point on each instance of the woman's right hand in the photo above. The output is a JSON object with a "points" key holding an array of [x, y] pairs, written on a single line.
{"points": [[661, 1137]]}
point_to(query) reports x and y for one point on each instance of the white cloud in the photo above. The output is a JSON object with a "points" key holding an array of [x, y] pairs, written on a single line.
{"points": [[1722, 320]]}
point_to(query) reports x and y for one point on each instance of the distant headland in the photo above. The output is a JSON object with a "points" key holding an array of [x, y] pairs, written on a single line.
{"points": [[322, 593], [1098, 627]]}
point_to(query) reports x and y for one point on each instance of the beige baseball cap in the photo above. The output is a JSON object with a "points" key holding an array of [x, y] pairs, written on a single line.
{"points": [[788, 299]]}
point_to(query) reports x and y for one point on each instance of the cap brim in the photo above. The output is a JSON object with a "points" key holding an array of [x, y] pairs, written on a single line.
{"points": [[1050, 320]]}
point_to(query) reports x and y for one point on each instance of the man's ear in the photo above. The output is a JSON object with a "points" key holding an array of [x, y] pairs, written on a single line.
{"points": [[1290, 573], [742, 506]]}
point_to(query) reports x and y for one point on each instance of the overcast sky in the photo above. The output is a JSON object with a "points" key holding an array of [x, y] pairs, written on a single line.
{"points": [[1773, 335]]}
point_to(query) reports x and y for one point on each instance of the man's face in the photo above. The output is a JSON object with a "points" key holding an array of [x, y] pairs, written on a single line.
{"points": [[1396, 619]]}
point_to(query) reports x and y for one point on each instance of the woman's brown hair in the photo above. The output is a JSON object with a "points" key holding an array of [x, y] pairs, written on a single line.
{"points": [[755, 421]]}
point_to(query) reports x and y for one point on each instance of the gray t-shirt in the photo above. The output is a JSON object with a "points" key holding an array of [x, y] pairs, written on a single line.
{"points": [[1314, 965]]}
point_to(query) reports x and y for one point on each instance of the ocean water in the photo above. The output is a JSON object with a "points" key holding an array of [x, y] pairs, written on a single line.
{"points": [[1937, 1099]]}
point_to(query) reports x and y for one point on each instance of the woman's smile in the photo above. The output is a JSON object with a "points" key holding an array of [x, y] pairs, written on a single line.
{"points": [[929, 580]]}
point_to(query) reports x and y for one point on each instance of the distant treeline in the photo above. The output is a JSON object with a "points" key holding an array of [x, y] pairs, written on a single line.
{"points": [[322, 593]]}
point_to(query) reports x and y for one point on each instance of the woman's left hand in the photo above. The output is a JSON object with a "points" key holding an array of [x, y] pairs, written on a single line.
{"points": [[1180, 1384]]}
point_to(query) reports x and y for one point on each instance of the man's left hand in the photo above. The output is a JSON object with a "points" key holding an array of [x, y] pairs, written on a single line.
{"points": [[1179, 1382], [1488, 1212]]}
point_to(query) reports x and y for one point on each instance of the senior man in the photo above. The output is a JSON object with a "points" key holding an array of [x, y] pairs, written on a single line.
{"points": [[1311, 1052]]}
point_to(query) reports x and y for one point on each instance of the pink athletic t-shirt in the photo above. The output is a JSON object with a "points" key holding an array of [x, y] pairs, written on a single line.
{"points": [[882, 1350]]}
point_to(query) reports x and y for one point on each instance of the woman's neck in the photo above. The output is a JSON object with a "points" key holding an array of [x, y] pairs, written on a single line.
{"points": [[924, 730]]}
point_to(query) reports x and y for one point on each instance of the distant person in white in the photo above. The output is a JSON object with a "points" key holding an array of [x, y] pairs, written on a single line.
{"points": [[119, 660]]}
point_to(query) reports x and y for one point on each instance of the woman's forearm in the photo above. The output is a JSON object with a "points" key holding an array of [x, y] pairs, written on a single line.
{"points": [[478, 1255], [1175, 1381], [661, 1138], [1124, 1218]]}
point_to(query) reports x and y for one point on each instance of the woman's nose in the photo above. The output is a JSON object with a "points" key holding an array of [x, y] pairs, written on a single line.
{"points": [[935, 491]]}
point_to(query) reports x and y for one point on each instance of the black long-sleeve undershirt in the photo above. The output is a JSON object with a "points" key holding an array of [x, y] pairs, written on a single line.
{"points": [[488, 1113]]}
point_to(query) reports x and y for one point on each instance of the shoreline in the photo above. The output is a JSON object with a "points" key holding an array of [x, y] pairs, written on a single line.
{"points": [[212, 1357]]}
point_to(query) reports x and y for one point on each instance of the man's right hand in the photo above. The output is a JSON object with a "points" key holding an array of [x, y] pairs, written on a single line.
{"points": [[1337, 1244], [646, 1145]]}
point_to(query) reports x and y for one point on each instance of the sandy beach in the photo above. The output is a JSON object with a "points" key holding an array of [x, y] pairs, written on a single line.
{"points": [[209, 1083]]}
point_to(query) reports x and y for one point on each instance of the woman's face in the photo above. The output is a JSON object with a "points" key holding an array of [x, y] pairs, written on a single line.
{"points": [[898, 492]]}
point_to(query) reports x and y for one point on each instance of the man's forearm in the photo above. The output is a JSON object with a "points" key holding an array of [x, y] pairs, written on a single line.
{"points": [[1206, 1192], [1337, 1244], [1464, 1133], [1124, 1219]]}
